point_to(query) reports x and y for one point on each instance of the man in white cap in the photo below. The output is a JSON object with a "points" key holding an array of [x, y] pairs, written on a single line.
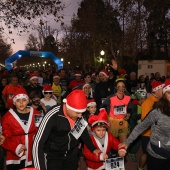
{"points": [[59, 133]]}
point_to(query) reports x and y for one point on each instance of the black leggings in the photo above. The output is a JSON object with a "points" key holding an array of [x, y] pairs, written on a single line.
{"points": [[157, 164]]}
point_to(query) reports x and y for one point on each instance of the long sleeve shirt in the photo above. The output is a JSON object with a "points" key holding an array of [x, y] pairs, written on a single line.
{"points": [[160, 133]]}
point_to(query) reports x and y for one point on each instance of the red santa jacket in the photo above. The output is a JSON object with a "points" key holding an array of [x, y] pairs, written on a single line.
{"points": [[17, 134], [73, 84], [94, 162]]}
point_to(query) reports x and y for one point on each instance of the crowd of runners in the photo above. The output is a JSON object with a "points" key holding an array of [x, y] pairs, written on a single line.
{"points": [[51, 119]]}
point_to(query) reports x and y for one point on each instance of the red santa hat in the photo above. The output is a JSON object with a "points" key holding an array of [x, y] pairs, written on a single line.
{"points": [[122, 72], [91, 102], [101, 118], [76, 101], [33, 76], [166, 86], [85, 85], [156, 85], [91, 91], [104, 72], [78, 73], [93, 74], [56, 76], [47, 88], [20, 94]]}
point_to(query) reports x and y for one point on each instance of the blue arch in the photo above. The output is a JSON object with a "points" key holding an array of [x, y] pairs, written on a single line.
{"points": [[41, 54]]}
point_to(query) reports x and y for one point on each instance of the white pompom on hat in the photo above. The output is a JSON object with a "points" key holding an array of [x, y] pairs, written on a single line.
{"points": [[33, 76], [156, 85], [19, 94], [166, 86], [76, 101], [104, 72]]}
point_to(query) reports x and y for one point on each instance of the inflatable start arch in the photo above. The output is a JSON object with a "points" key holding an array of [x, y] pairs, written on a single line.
{"points": [[41, 54]]}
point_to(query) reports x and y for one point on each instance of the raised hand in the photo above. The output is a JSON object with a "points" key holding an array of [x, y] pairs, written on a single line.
{"points": [[114, 64]]}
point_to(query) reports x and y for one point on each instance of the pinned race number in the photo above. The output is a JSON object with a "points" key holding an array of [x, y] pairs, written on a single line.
{"points": [[118, 110], [114, 163], [79, 127]]}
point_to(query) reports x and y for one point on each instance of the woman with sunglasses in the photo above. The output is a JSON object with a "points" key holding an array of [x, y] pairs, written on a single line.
{"points": [[48, 94]]}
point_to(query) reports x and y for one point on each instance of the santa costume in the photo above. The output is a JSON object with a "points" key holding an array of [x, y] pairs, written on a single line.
{"points": [[108, 142], [19, 132]]}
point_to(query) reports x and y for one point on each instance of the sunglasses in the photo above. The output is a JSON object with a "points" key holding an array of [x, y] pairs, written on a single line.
{"points": [[48, 92]]}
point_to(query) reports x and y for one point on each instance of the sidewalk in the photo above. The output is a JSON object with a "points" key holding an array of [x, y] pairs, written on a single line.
{"points": [[129, 165]]}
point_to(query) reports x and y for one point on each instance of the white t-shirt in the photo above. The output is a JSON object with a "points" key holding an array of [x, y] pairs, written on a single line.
{"points": [[49, 103]]}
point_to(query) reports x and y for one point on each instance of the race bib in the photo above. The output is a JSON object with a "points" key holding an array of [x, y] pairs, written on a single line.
{"points": [[79, 127], [114, 164], [118, 110]]}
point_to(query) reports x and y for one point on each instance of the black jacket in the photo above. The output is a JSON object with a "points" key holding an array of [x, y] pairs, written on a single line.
{"points": [[54, 136]]}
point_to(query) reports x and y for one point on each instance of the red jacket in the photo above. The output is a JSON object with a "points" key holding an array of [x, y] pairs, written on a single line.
{"points": [[93, 161], [16, 134], [73, 84]]}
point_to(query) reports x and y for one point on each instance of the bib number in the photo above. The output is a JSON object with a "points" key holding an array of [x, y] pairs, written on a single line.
{"points": [[119, 110], [114, 163], [79, 127]]}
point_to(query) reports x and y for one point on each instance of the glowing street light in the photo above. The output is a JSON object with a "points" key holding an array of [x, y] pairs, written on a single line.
{"points": [[102, 53], [101, 59]]}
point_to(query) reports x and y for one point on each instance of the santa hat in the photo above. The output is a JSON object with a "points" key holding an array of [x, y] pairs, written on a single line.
{"points": [[122, 72], [20, 94], [104, 72], [91, 102], [156, 85], [56, 76], [166, 86], [76, 101], [93, 74], [85, 85], [33, 76], [91, 91], [99, 119], [78, 73], [47, 88]]}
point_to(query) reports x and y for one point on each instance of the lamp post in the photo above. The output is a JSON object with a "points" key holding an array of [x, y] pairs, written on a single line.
{"points": [[102, 59]]}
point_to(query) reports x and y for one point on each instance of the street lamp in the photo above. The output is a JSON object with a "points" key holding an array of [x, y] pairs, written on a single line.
{"points": [[62, 59], [102, 54]]}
